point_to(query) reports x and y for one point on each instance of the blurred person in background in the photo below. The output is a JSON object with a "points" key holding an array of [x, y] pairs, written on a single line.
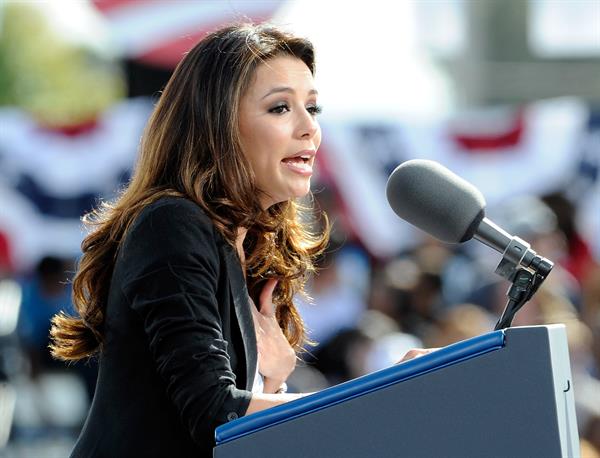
{"points": [[459, 322], [335, 299], [210, 213], [582, 263], [344, 356], [45, 294], [52, 398], [409, 287], [577, 258], [591, 309]]}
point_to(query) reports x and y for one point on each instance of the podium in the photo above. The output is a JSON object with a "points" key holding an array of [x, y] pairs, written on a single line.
{"points": [[504, 394]]}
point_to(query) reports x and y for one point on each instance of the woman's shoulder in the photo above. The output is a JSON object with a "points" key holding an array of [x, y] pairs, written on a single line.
{"points": [[171, 209], [172, 220], [174, 205], [169, 230]]}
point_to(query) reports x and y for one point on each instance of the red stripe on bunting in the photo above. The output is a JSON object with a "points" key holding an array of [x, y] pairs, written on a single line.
{"points": [[110, 5], [5, 257], [488, 143], [73, 130]]}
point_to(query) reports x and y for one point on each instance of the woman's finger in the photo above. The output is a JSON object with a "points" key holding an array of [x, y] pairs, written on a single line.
{"points": [[415, 353], [266, 298]]}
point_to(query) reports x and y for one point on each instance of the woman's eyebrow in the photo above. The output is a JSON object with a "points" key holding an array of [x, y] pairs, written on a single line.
{"points": [[288, 89]]}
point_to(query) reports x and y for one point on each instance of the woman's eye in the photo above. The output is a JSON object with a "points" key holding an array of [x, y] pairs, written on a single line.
{"points": [[314, 109], [279, 109]]}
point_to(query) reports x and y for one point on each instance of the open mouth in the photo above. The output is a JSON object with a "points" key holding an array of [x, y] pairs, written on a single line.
{"points": [[301, 164], [298, 159]]}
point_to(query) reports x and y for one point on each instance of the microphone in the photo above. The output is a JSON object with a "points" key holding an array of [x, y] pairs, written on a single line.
{"points": [[439, 202]]}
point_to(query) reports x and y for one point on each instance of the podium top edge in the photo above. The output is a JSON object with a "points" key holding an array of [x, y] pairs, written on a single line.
{"points": [[548, 328]]}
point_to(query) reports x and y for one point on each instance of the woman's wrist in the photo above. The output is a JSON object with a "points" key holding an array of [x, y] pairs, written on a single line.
{"points": [[282, 388], [272, 385]]}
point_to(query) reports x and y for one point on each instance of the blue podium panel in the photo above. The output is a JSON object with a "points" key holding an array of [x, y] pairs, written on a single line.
{"points": [[495, 395]]}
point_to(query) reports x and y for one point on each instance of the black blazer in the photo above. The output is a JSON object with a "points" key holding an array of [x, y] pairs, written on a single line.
{"points": [[179, 355]]}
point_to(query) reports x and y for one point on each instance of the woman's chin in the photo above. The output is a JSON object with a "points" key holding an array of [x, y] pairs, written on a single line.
{"points": [[299, 193], [296, 192]]}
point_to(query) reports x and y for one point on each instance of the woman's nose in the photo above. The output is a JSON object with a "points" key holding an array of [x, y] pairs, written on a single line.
{"points": [[307, 126]]}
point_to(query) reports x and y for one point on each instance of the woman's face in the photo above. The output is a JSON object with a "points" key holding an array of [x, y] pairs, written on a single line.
{"points": [[279, 131]]}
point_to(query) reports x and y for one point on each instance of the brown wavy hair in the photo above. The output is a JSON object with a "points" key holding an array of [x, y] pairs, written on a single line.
{"points": [[191, 148]]}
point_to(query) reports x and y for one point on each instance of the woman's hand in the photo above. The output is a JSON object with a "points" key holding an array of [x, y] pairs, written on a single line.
{"points": [[276, 358], [415, 353]]}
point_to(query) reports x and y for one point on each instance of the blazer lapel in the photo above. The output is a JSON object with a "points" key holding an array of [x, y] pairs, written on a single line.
{"points": [[242, 305]]}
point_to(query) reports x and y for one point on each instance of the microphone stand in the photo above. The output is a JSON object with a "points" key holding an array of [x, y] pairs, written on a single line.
{"points": [[525, 282], [520, 265]]}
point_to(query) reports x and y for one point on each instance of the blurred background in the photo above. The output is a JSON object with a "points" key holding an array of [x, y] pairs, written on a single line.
{"points": [[505, 93]]}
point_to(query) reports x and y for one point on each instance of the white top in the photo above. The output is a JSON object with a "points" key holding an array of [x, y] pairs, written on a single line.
{"points": [[259, 384]]}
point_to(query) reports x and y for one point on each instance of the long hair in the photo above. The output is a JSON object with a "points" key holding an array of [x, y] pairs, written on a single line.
{"points": [[191, 148]]}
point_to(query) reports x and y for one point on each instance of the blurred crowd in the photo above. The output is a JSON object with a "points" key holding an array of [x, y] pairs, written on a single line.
{"points": [[363, 314]]}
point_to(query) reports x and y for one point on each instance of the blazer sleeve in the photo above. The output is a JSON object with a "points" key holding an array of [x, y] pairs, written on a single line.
{"points": [[171, 276]]}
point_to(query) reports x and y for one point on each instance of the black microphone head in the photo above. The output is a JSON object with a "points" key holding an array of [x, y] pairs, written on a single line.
{"points": [[432, 198]]}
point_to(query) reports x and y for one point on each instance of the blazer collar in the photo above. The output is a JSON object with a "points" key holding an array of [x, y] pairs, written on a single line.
{"points": [[242, 304]]}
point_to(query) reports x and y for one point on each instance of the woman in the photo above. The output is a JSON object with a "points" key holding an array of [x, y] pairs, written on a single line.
{"points": [[210, 214]]}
